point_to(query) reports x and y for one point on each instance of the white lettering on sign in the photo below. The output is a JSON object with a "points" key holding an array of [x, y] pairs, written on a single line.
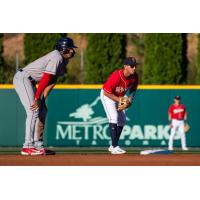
{"points": [[62, 134], [94, 129], [150, 132], [163, 132], [136, 133], [101, 132]]}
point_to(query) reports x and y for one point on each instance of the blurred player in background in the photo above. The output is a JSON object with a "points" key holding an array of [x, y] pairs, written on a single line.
{"points": [[176, 115], [117, 84], [43, 71]]}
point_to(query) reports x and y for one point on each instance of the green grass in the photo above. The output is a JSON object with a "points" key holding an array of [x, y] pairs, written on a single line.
{"points": [[93, 150]]}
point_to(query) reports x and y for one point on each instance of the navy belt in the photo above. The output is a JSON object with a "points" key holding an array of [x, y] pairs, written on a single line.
{"points": [[29, 77]]}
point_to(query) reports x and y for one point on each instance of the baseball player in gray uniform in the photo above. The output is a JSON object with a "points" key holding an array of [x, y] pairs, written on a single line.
{"points": [[43, 71]]}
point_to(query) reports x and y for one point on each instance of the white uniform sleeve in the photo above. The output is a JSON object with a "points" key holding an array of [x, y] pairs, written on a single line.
{"points": [[52, 65]]}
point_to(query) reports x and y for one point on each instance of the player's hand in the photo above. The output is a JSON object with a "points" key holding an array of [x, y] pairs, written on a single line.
{"points": [[130, 99], [35, 105], [123, 104], [43, 103], [171, 126]]}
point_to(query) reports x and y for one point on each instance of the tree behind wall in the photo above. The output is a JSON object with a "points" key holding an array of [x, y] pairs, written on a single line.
{"points": [[1, 58], [198, 61], [105, 53], [165, 59], [38, 44]]}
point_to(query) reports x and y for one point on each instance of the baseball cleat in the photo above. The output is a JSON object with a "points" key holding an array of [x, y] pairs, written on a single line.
{"points": [[118, 150], [170, 149], [46, 152], [110, 148], [30, 152], [185, 149]]}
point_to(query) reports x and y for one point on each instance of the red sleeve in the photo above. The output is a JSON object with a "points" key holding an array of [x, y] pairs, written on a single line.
{"points": [[46, 79], [111, 83], [184, 110], [170, 110]]}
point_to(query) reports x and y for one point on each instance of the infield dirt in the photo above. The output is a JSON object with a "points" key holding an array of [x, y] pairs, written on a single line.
{"points": [[101, 160]]}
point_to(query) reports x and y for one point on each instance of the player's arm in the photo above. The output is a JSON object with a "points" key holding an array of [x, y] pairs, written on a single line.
{"points": [[169, 117], [110, 86], [185, 116], [133, 90], [132, 95], [111, 96], [47, 90], [50, 86], [170, 113], [46, 83]]}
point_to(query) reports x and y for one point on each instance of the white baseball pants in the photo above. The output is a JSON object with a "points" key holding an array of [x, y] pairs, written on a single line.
{"points": [[177, 127], [113, 115]]}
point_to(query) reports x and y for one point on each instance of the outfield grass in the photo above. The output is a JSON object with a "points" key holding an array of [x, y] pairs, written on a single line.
{"points": [[94, 150]]}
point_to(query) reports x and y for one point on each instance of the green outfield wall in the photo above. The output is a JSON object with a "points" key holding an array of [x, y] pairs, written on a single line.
{"points": [[76, 117]]}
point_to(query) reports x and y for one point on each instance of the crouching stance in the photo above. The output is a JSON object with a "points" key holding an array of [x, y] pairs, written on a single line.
{"points": [[112, 93], [43, 71]]}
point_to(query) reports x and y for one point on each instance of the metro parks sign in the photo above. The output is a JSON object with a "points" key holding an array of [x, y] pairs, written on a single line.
{"points": [[85, 127]]}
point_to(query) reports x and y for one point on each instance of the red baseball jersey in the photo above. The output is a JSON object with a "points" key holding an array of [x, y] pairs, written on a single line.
{"points": [[118, 84], [177, 111]]}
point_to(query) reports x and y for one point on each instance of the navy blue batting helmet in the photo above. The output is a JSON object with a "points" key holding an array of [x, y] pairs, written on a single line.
{"points": [[63, 44]]}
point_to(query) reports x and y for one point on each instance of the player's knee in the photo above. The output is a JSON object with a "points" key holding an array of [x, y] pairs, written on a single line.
{"points": [[113, 120], [33, 114], [122, 123]]}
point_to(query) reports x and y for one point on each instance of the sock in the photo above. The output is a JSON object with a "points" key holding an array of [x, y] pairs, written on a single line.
{"points": [[119, 131], [113, 134]]}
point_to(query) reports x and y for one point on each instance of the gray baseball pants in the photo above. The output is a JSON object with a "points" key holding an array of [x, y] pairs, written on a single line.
{"points": [[35, 120]]}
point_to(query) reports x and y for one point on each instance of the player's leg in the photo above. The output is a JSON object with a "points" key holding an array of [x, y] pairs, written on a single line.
{"points": [[172, 133], [110, 108], [40, 125], [113, 134], [39, 130], [182, 135], [26, 90], [111, 113], [121, 123]]}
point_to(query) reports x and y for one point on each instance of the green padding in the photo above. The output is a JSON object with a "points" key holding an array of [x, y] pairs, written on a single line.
{"points": [[76, 118]]}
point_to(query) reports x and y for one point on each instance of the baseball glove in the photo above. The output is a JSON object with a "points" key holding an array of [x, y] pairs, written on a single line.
{"points": [[186, 127], [124, 103]]}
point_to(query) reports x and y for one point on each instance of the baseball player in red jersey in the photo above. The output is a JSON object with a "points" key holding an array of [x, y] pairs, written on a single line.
{"points": [[44, 71], [177, 114], [117, 84]]}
